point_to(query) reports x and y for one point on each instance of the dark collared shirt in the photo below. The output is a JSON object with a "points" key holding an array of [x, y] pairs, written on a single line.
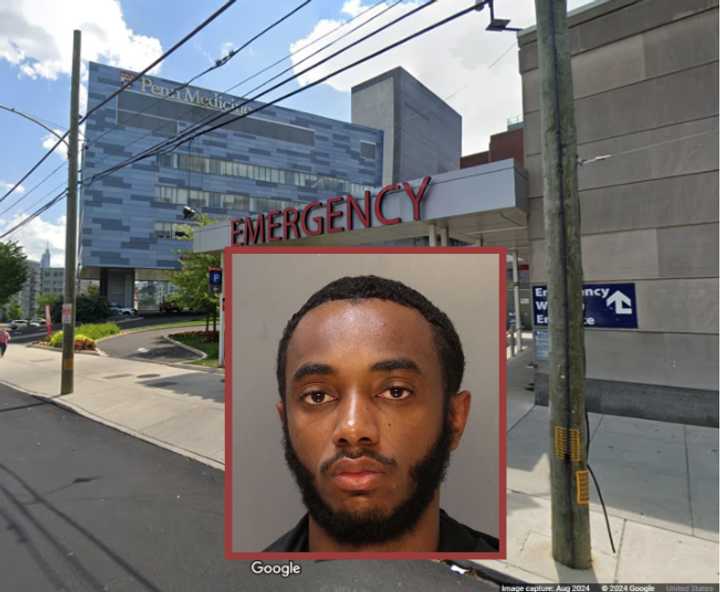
{"points": [[454, 537]]}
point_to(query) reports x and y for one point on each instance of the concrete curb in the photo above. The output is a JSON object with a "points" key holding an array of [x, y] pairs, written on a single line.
{"points": [[75, 408], [184, 346], [96, 352]]}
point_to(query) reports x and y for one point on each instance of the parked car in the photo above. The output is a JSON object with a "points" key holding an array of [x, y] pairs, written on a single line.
{"points": [[122, 311], [19, 323], [169, 306], [38, 323]]}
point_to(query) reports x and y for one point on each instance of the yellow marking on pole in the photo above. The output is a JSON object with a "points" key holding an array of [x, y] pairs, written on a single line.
{"points": [[561, 442], [68, 363], [582, 489], [575, 448]]}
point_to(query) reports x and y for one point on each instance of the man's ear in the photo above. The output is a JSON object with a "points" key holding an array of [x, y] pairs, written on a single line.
{"points": [[280, 408], [459, 412]]}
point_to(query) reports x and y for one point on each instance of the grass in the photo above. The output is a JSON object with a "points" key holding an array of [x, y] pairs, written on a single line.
{"points": [[93, 331], [198, 340], [197, 323]]}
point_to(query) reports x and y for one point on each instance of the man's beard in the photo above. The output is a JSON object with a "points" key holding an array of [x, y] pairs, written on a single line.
{"points": [[375, 527]]}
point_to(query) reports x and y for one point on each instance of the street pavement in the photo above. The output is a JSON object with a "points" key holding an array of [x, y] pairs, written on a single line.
{"points": [[29, 334], [659, 480], [149, 345], [86, 508]]}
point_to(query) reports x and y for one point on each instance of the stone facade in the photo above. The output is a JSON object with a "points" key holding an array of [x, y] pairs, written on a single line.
{"points": [[646, 93]]}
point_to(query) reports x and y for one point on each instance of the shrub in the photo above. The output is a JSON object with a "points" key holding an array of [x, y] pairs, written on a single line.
{"points": [[89, 308], [56, 339], [98, 330], [82, 342]]}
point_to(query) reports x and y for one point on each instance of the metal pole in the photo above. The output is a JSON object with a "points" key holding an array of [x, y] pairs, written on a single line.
{"points": [[221, 306], [516, 302], [68, 312], [432, 235], [563, 266]]}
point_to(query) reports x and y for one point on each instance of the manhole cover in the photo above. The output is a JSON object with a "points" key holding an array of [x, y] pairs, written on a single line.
{"points": [[116, 376], [148, 375], [164, 383]]}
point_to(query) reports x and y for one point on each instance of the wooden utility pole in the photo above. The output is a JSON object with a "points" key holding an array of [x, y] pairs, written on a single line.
{"points": [[563, 265], [68, 310]]}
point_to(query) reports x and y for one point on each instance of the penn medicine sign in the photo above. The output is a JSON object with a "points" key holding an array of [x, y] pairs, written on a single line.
{"points": [[340, 213], [187, 95]]}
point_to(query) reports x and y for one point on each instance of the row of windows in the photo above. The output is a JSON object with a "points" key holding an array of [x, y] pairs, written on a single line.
{"points": [[232, 168], [197, 198], [170, 230]]}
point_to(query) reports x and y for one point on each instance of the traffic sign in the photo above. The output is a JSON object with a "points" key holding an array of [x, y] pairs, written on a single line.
{"points": [[604, 305], [215, 279]]}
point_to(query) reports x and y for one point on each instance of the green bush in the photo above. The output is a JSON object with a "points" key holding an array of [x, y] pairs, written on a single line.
{"points": [[90, 332], [98, 330], [89, 308], [56, 339], [84, 342]]}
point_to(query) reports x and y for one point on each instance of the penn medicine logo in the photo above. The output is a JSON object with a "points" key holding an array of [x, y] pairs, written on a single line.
{"points": [[192, 96]]}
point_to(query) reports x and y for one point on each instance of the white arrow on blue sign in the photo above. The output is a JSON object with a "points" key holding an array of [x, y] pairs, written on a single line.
{"points": [[604, 305]]}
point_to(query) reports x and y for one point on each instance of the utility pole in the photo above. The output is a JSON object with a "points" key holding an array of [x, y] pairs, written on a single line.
{"points": [[563, 265], [68, 310]]}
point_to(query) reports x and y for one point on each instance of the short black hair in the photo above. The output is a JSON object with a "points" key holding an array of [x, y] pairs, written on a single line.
{"points": [[366, 287]]}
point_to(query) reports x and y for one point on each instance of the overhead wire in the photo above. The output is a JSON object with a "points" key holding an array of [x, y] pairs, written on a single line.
{"points": [[306, 46], [219, 63], [389, 47], [195, 131], [112, 95]]}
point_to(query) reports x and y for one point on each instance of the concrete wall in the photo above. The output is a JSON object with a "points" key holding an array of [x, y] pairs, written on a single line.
{"points": [[646, 92], [423, 134]]}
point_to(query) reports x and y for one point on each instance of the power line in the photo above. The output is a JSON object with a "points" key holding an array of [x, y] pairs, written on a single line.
{"points": [[35, 214], [189, 109], [189, 134], [192, 33], [307, 45], [29, 191], [218, 64], [292, 93]]}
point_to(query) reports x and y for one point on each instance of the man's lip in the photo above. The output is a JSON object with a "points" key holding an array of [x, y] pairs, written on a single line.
{"points": [[358, 466], [363, 481]]}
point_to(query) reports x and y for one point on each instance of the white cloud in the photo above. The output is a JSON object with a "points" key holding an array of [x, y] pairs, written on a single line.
{"points": [[36, 235], [4, 185], [458, 61], [49, 141], [36, 36]]}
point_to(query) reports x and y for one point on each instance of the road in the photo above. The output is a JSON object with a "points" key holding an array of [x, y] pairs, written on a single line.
{"points": [[86, 508], [28, 334], [148, 346]]}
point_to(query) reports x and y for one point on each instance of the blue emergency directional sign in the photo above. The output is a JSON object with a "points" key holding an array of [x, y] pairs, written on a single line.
{"points": [[604, 305]]}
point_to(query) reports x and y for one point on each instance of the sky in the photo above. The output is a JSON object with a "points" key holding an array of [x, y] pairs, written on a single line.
{"points": [[475, 71]]}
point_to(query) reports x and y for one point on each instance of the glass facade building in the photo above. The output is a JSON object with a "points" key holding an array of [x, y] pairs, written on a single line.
{"points": [[130, 220]]}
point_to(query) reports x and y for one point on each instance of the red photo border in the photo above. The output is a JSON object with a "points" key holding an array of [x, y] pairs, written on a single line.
{"points": [[502, 410]]}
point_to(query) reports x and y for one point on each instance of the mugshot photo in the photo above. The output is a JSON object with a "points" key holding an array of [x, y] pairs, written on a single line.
{"points": [[364, 401]]}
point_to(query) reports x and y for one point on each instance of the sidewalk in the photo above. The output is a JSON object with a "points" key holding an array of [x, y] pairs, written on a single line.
{"points": [[659, 480]]}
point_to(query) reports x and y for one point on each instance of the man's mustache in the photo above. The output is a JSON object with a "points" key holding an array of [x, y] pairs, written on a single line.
{"points": [[357, 453]]}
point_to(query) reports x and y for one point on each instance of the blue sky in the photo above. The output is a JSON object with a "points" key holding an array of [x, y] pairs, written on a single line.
{"points": [[474, 70]]}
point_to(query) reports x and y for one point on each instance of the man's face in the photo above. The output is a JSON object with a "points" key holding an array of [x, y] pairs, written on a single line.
{"points": [[367, 434]]}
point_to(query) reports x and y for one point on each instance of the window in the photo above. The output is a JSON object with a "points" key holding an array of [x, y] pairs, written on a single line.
{"points": [[367, 150]]}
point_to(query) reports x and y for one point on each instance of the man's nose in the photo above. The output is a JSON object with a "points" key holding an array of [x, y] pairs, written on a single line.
{"points": [[357, 424]]}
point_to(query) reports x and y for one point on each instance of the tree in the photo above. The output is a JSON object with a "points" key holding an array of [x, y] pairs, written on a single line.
{"points": [[44, 299], [191, 280], [13, 270], [13, 311]]}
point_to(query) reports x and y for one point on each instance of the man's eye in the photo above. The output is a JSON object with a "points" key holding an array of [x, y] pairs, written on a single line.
{"points": [[396, 393], [317, 398]]}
